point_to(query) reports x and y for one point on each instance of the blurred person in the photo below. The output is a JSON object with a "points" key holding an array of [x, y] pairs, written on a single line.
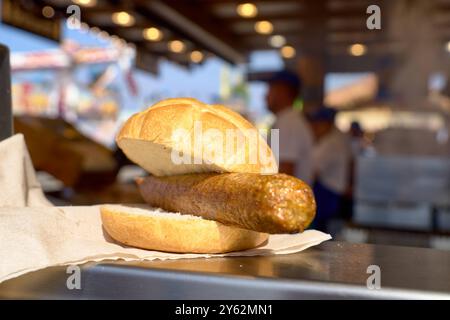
{"points": [[296, 141], [357, 138], [357, 147], [331, 165]]}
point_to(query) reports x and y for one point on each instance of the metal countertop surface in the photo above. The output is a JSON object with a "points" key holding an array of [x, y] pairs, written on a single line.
{"points": [[330, 270]]}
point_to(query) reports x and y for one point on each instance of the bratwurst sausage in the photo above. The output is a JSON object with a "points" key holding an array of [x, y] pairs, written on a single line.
{"points": [[266, 203]]}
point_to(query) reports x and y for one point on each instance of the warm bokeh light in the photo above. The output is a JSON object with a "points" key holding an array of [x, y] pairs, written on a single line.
{"points": [[48, 12], [85, 3], [247, 10], [448, 46], [123, 18], [84, 27], [264, 27], [196, 56], [152, 34], [94, 30], [287, 52], [357, 49], [277, 41], [103, 35], [176, 46]]}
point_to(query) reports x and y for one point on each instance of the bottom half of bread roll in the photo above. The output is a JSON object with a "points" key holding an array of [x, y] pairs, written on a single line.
{"points": [[154, 229]]}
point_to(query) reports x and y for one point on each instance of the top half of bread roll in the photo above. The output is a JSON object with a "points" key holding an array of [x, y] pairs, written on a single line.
{"points": [[183, 135]]}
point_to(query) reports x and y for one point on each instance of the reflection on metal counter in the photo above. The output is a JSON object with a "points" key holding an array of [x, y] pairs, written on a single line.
{"points": [[329, 271]]}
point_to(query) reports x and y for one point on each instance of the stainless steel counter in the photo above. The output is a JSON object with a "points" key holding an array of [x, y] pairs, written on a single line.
{"points": [[330, 270]]}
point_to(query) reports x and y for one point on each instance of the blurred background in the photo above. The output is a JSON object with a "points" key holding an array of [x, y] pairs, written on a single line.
{"points": [[372, 85]]}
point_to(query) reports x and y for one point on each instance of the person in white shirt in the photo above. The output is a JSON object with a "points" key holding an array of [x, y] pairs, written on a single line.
{"points": [[332, 156], [295, 135]]}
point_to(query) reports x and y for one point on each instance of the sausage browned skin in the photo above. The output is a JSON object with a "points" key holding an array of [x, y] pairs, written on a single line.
{"points": [[266, 203]]}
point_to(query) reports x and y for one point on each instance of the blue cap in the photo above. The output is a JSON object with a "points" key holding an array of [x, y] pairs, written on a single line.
{"points": [[323, 114], [287, 77], [355, 126]]}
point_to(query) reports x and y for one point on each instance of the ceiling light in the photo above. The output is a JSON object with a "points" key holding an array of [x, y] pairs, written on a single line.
{"points": [[152, 34], [176, 46], [48, 12], [123, 18], [85, 3], [287, 52], [357, 49], [196, 56], [264, 27], [122, 43], [247, 10], [277, 41], [94, 30], [115, 39], [103, 35]]}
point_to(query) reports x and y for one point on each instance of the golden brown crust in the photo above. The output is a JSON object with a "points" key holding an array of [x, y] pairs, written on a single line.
{"points": [[266, 203], [163, 233], [157, 124]]}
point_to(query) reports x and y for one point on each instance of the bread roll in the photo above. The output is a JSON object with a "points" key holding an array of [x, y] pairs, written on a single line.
{"points": [[154, 229], [148, 138]]}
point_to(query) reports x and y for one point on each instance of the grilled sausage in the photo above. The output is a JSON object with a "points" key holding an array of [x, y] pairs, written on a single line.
{"points": [[266, 203]]}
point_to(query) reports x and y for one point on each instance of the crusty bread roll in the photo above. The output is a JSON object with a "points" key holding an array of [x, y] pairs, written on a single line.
{"points": [[147, 138], [148, 228], [151, 138]]}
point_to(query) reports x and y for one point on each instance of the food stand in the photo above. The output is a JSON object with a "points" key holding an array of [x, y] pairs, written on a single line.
{"points": [[329, 271]]}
